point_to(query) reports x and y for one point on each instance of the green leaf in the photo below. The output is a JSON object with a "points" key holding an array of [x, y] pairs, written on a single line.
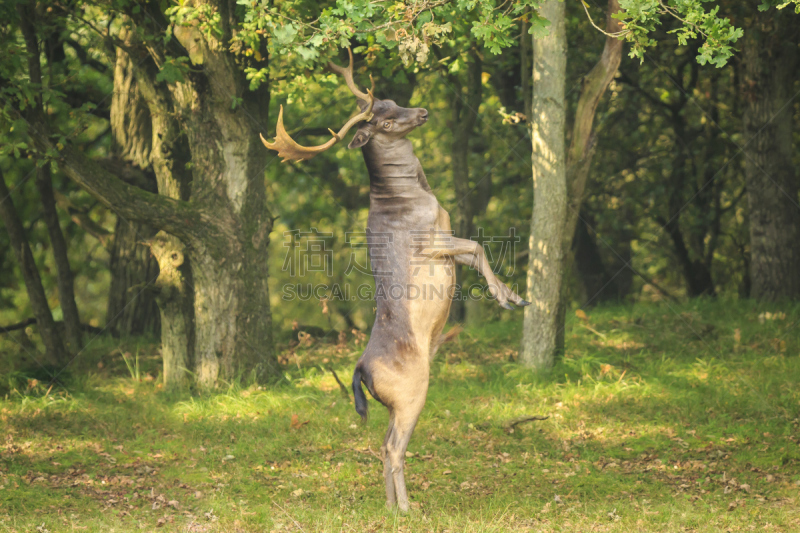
{"points": [[539, 26]]}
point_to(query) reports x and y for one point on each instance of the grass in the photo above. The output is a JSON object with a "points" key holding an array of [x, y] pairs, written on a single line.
{"points": [[661, 418]]}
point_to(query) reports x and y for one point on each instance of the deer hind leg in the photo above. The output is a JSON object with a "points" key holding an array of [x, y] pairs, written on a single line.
{"points": [[405, 420], [391, 497]]}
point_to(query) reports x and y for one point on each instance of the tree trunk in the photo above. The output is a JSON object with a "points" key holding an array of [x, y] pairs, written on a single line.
{"points": [[173, 300], [54, 346], [601, 283], [546, 254], [228, 254], [464, 108], [233, 324], [44, 184], [770, 61], [146, 133], [132, 308], [559, 179], [65, 279], [598, 284], [698, 277]]}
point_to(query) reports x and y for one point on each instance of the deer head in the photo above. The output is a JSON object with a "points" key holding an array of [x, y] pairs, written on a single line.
{"points": [[389, 122], [383, 119]]}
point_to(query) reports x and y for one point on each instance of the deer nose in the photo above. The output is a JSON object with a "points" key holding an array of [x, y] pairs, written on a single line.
{"points": [[423, 115]]}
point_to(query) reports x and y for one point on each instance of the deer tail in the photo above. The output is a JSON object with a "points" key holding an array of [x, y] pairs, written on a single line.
{"points": [[358, 393]]}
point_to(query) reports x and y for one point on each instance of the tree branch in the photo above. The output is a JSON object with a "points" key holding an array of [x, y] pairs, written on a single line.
{"points": [[82, 219], [581, 147], [627, 80], [84, 58], [31, 321], [131, 202]]}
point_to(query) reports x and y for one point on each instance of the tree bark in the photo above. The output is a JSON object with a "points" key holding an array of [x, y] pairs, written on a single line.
{"points": [[54, 346], [546, 256], [770, 64]]}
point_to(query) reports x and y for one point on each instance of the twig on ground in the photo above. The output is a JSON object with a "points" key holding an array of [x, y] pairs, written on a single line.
{"points": [[290, 516], [345, 394], [378, 457], [517, 421], [602, 336]]}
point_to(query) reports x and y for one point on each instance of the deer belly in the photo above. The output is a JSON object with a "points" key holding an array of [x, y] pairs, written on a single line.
{"points": [[435, 281], [430, 291]]}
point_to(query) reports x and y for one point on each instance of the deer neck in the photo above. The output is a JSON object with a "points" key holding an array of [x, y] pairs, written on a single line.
{"points": [[392, 165]]}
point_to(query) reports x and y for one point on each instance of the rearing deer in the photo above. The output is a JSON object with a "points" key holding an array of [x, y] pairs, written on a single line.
{"points": [[411, 249]]}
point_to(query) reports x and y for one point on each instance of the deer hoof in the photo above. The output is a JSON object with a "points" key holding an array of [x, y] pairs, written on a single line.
{"points": [[523, 303], [506, 305]]}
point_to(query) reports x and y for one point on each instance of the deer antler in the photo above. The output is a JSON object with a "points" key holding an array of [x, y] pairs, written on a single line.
{"points": [[288, 149], [347, 74]]}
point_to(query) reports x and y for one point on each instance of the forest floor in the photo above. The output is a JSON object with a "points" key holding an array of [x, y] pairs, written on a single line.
{"points": [[662, 417]]}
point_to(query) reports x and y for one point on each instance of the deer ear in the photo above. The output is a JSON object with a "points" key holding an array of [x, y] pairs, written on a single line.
{"points": [[361, 137]]}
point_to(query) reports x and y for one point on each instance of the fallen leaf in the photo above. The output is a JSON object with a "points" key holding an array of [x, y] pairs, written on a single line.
{"points": [[296, 424]]}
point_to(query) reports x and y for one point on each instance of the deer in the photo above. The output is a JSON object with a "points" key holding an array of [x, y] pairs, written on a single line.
{"points": [[412, 250]]}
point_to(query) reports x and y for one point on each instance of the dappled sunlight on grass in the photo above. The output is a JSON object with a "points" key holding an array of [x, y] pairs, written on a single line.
{"points": [[653, 429]]}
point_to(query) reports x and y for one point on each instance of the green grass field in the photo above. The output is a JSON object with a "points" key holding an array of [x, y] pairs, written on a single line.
{"points": [[662, 417]]}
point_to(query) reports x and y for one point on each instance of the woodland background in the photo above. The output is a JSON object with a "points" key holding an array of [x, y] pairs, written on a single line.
{"points": [[162, 364], [132, 161]]}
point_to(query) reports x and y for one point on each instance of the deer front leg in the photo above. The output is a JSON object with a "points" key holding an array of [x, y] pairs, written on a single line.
{"points": [[470, 253]]}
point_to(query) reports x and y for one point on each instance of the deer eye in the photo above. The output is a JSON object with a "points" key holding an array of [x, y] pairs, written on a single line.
{"points": [[387, 125]]}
